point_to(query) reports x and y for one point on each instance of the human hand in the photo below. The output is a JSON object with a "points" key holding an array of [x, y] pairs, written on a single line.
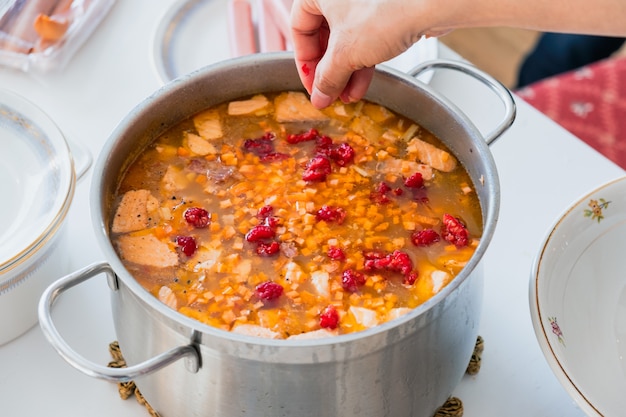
{"points": [[337, 43]]}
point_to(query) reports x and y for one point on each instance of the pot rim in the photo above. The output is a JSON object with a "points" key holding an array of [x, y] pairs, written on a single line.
{"points": [[490, 209]]}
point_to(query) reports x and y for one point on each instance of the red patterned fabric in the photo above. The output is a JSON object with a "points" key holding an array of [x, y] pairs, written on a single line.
{"points": [[589, 102]]}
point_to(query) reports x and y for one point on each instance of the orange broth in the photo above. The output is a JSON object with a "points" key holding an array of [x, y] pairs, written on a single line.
{"points": [[274, 225]]}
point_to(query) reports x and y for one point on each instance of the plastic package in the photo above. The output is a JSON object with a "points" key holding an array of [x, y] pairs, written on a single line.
{"points": [[43, 35]]}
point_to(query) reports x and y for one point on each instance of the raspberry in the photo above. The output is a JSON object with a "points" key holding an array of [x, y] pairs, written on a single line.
{"points": [[454, 231], [267, 249], [352, 280], [329, 318], [265, 211], [414, 181], [323, 143], [274, 156], [311, 134], [260, 232], [265, 214], [410, 278], [331, 214], [317, 169], [425, 237], [187, 245], [197, 217], [263, 147], [342, 154], [269, 290], [336, 253], [379, 195], [397, 261]]}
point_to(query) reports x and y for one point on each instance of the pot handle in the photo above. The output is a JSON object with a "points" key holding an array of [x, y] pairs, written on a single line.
{"points": [[496, 86], [86, 366]]}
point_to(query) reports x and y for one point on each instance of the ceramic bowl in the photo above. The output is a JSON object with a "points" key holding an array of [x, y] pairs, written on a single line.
{"points": [[578, 300]]}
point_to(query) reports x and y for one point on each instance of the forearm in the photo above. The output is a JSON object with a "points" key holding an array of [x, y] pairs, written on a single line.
{"points": [[600, 17]]}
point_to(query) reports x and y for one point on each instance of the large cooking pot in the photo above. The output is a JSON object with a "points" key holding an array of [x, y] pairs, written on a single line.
{"points": [[405, 367]]}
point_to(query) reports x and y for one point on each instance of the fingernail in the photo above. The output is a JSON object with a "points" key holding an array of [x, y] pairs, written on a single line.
{"points": [[319, 99]]}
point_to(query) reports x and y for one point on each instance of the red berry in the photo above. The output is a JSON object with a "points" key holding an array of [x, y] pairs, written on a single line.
{"points": [[329, 318], [317, 169], [410, 278], [454, 231], [414, 181], [342, 154], [263, 147], [352, 280], [331, 214], [269, 290], [397, 261], [312, 134], [265, 211], [379, 195], [197, 217], [187, 245], [267, 249], [425, 237], [260, 232], [336, 253]]}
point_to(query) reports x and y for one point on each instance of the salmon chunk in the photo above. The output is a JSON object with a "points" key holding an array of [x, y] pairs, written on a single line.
{"points": [[256, 105], [199, 145], [255, 330], [364, 316], [208, 125], [147, 250], [294, 106], [137, 210], [431, 155]]}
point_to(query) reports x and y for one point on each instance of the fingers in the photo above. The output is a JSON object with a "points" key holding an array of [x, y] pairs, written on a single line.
{"points": [[308, 28], [324, 72]]}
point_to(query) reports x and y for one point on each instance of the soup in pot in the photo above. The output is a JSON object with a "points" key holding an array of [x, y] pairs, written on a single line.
{"points": [[268, 217]]}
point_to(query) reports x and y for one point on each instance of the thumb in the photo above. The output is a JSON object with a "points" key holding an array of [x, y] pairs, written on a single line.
{"points": [[335, 78]]}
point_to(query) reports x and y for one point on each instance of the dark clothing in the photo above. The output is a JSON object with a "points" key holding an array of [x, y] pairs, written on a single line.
{"points": [[556, 53]]}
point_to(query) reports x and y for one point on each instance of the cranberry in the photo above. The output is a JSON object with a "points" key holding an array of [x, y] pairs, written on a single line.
{"points": [[317, 169], [197, 217], [414, 181], [311, 134], [352, 280], [260, 232], [425, 237], [187, 245], [331, 214], [336, 253], [329, 318], [269, 290], [454, 231], [267, 249]]}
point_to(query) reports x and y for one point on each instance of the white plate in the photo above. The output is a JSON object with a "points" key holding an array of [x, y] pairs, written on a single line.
{"points": [[578, 300], [194, 33]]}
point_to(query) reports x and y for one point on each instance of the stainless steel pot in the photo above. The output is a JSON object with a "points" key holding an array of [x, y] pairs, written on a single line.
{"points": [[406, 367]]}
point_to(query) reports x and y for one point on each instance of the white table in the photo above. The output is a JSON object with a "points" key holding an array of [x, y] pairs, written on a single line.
{"points": [[542, 170]]}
